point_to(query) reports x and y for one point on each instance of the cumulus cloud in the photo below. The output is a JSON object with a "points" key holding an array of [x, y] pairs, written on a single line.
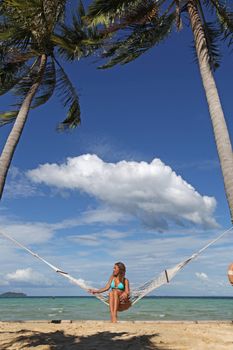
{"points": [[151, 192], [28, 276], [202, 276]]}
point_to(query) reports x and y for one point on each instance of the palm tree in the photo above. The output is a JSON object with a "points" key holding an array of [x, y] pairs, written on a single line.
{"points": [[33, 38], [145, 23]]}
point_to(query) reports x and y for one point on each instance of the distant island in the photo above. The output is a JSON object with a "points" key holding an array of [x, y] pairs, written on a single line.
{"points": [[13, 295]]}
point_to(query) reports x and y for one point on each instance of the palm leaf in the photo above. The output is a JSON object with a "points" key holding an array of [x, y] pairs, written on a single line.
{"points": [[142, 38], [21, 88], [77, 40], [43, 94], [6, 32], [21, 9], [81, 13], [11, 74], [69, 98], [53, 12], [25, 84], [141, 13], [14, 35], [47, 86], [225, 17], [8, 117], [13, 67], [105, 12], [212, 34]]}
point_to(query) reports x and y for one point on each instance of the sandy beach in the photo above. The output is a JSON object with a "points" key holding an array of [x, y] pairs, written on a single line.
{"points": [[91, 335]]}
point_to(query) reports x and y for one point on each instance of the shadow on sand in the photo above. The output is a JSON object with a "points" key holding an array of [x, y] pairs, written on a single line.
{"points": [[100, 341]]}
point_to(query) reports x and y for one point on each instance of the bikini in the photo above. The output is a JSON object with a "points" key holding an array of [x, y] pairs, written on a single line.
{"points": [[120, 285]]}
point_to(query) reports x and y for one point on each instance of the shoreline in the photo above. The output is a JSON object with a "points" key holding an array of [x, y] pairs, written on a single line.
{"points": [[59, 321]]}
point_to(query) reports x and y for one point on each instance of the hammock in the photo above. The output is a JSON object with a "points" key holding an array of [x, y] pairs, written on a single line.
{"points": [[135, 294]]}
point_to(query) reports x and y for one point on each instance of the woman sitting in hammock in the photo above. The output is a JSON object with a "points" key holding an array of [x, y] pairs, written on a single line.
{"points": [[119, 294]]}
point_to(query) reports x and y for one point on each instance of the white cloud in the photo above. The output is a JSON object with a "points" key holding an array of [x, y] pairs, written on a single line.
{"points": [[99, 238], [3, 283], [41, 232], [18, 185], [114, 235], [145, 257], [28, 276], [85, 240], [151, 192], [102, 215], [28, 232], [202, 276]]}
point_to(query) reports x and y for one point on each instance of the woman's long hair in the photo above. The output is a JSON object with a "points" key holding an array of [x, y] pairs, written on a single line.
{"points": [[122, 270]]}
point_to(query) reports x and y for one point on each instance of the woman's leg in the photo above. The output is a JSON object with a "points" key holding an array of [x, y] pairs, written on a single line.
{"points": [[111, 304], [116, 301]]}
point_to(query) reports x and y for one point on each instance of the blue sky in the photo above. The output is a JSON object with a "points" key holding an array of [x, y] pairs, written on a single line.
{"points": [[138, 182]]}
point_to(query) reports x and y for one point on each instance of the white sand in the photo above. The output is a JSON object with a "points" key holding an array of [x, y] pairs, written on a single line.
{"points": [[102, 335]]}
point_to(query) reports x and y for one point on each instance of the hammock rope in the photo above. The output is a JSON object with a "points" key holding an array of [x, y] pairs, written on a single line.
{"points": [[135, 294]]}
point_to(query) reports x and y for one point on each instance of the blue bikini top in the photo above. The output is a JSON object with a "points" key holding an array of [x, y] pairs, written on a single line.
{"points": [[119, 286]]}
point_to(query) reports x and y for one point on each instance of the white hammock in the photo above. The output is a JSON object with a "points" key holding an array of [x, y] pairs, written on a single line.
{"points": [[135, 294]]}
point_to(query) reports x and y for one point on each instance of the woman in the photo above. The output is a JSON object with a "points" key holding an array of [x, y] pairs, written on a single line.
{"points": [[119, 294]]}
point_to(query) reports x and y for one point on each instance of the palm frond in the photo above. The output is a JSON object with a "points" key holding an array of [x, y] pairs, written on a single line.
{"points": [[19, 10], [69, 98], [178, 15], [6, 32], [212, 34], [209, 5], [14, 55], [22, 87], [141, 13], [13, 67], [24, 83], [105, 12], [142, 38], [15, 35], [80, 13], [47, 86], [8, 117], [10, 75], [14, 32], [20, 16], [208, 46], [70, 42], [53, 12], [77, 40], [225, 17]]}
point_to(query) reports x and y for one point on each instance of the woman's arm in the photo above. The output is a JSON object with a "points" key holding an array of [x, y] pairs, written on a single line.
{"points": [[126, 292], [127, 289], [101, 290]]}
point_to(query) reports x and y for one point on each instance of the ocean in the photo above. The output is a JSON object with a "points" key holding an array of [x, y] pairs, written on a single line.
{"points": [[89, 308]]}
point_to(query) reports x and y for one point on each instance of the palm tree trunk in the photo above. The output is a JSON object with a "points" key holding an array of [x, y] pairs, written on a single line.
{"points": [[17, 129], [221, 134]]}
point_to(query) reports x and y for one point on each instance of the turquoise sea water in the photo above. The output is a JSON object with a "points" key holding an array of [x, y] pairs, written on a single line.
{"points": [[89, 308]]}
